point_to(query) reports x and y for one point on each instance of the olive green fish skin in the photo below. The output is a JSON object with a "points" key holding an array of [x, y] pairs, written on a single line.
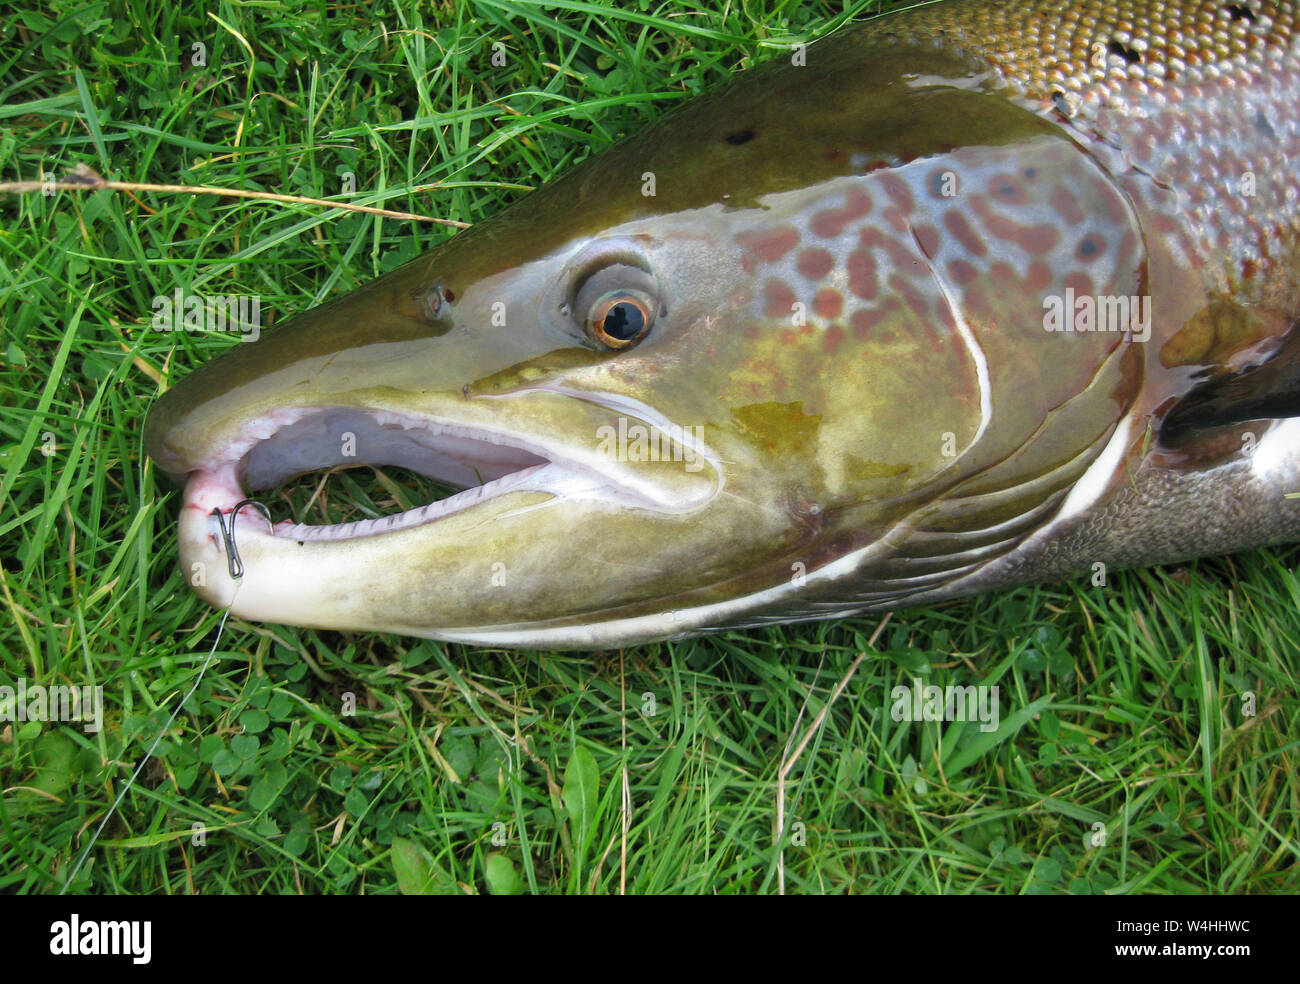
{"points": [[854, 256]]}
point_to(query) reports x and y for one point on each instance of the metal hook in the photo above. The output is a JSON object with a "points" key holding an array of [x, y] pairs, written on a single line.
{"points": [[233, 561]]}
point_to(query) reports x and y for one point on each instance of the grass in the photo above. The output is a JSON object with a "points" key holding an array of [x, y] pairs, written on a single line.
{"points": [[327, 762]]}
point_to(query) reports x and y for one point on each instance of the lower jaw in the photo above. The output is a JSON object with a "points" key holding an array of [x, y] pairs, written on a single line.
{"points": [[325, 576], [319, 576], [218, 489]]}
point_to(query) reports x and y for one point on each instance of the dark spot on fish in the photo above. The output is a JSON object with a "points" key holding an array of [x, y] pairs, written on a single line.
{"points": [[1124, 51], [1005, 189], [1264, 126], [1031, 173], [1060, 102], [448, 295], [739, 137], [300, 543], [1239, 11]]}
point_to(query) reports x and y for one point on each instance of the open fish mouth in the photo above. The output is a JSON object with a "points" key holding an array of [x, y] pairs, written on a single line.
{"points": [[484, 463]]}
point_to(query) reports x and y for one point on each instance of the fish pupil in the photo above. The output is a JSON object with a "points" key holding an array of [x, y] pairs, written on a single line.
{"points": [[623, 321]]}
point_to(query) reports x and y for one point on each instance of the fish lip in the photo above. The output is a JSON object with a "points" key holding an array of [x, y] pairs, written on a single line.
{"points": [[216, 482]]}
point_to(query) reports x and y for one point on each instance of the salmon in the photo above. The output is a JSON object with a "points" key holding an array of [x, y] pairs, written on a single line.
{"points": [[972, 295]]}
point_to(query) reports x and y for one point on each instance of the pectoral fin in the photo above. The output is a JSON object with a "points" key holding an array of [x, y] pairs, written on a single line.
{"points": [[1268, 390]]}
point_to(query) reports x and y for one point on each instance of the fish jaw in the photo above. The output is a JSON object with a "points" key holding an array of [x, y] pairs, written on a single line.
{"points": [[487, 555]]}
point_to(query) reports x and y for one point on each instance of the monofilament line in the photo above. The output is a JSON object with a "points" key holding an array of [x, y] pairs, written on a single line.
{"points": [[149, 754]]}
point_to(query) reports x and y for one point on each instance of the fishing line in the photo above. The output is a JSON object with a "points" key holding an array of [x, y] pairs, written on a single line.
{"points": [[235, 564]]}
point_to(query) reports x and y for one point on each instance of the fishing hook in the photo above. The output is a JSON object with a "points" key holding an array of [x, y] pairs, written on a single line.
{"points": [[233, 561]]}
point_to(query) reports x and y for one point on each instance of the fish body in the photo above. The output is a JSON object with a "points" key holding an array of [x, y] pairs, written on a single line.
{"points": [[969, 296]]}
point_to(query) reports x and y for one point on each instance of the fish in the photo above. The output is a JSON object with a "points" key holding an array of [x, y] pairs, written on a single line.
{"points": [[968, 296]]}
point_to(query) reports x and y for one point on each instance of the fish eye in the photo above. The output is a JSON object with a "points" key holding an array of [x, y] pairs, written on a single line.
{"points": [[613, 298], [620, 318]]}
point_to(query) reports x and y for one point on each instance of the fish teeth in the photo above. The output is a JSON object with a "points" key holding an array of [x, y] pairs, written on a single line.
{"points": [[536, 478]]}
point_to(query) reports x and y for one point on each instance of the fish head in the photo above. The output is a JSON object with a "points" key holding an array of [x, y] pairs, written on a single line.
{"points": [[675, 385]]}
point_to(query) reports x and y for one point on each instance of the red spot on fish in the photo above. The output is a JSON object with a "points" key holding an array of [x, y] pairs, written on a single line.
{"points": [[897, 190], [865, 320], [828, 303], [896, 219], [857, 203], [831, 222], [1007, 189], [927, 237], [903, 258], [956, 224], [1039, 238], [828, 223], [962, 272], [1040, 276], [788, 337], [834, 338], [862, 274], [1066, 205], [770, 244], [815, 263], [778, 299]]}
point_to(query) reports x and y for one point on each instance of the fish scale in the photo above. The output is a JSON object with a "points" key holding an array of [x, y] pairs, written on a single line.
{"points": [[1212, 96], [872, 254]]}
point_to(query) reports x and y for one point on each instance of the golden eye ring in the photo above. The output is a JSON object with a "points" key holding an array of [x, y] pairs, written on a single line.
{"points": [[620, 319]]}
